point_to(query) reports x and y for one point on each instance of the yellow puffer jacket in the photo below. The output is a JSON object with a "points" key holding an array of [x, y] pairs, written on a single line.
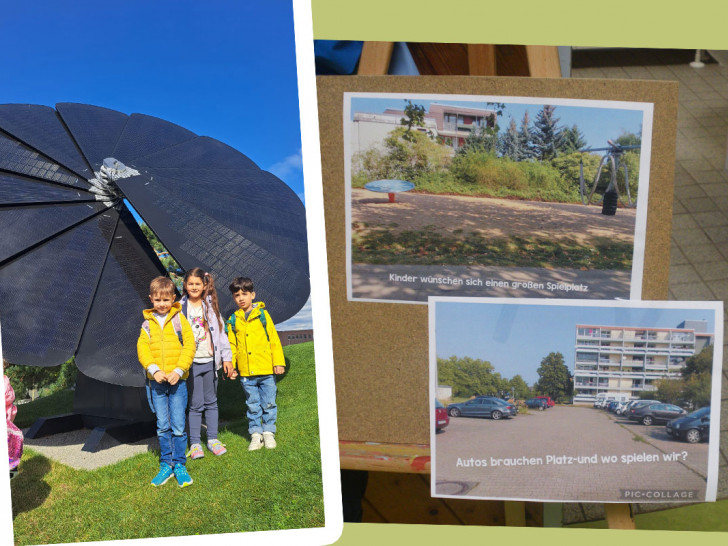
{"points": [[162, 347], [253, 353]]}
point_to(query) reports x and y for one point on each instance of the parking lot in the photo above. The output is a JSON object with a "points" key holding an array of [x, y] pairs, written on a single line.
{"points": [[566, 453]]}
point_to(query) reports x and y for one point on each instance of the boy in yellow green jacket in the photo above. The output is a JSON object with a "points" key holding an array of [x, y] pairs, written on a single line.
{"points": [[166, 347], [257, 359]]}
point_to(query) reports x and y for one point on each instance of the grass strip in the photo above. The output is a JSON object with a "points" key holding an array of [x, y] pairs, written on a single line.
{"points": [[429, 247]]}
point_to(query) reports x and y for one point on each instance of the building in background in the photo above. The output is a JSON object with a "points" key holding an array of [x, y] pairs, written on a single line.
{"points": [[616, 359], [295, 336], [450, 125]]}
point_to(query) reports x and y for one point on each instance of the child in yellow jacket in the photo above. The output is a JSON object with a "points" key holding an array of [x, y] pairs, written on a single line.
{"points": [[166, 347], [257, 358]]}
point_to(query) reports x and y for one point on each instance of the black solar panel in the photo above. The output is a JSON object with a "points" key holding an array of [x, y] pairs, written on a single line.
{"points": [[17, 190], [115, 319], [25, 227], [19, 158], [145, 135], [39, 127], [196, 238], [95, 129], [46, 293], [281, 230], [198, 153], [71, 284]]}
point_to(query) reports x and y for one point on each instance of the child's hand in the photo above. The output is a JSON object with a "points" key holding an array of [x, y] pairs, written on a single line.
{"points": [[234, 374], [159, 376], [172, 378], [278, 370]]}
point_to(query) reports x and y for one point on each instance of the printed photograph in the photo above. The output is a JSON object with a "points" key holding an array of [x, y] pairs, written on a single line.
{"points": [[572, 400], [157, 335], [494, 196]]}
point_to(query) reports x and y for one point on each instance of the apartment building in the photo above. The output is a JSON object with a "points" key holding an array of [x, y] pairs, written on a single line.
{"points": [[450, 124], [616, 359]]}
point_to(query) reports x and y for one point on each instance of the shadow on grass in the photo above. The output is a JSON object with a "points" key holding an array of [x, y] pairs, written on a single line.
{"points": [[29, 489]]}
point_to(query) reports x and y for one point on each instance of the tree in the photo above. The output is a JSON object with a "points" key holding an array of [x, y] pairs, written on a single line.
{"points": [[415, 117], [555, 380], [572, 140], [468, 376], [669, 391], [510, 143], [525, 139], [520, 388], [547, 135], [628, 139], [699, 364]]}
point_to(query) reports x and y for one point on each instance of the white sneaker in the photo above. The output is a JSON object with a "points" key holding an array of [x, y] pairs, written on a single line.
{"points": [[256, 441], [269, 440]]}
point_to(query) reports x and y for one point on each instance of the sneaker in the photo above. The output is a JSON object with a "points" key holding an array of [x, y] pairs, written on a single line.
{"points": [[269, 440], [165, 473], [217, 447], [183, 477], [195, 452], [256, 441]]}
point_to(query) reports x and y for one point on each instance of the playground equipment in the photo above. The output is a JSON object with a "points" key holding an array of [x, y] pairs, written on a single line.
{"points": [[613, 155], [75, 265], [390, 187]]}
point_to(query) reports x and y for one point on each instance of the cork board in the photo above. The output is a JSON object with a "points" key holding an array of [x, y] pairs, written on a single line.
{"points": [[381, 349]]}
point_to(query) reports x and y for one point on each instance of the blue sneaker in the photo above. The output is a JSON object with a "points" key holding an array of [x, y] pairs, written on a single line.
{"points": [[183, 477], [165, 473]]}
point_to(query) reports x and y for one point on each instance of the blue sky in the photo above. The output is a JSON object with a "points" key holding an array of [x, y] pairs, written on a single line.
{"points": [[515, 338], [597, 124], [224, 69]]}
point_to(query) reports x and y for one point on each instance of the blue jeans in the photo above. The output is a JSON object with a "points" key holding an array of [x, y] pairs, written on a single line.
{"points": [[260, 396], [170, 403]]}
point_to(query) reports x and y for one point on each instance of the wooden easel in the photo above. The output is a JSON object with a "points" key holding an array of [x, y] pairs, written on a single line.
{"points": [[474, 60]]}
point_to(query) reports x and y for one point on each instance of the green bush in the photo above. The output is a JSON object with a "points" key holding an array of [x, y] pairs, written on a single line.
{"points": [[48, 380]]}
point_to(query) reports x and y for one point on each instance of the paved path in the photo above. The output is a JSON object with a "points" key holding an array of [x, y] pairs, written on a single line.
{"points": [[491, 217], [562, 431]]}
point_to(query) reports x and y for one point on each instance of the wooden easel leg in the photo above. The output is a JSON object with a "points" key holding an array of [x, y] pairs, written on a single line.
{"points": [[619, 516], [515, 513], [375, 57], [543, 61], [481, 60]]}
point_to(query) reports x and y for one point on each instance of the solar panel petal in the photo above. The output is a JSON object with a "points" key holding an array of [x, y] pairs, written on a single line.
{"points": [[39, 127]]}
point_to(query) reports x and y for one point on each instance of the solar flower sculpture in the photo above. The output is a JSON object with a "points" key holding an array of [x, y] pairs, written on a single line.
{"points": [[75, 266]]}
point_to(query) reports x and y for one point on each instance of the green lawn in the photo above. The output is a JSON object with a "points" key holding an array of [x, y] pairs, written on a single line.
{"points": [[240, 491]]}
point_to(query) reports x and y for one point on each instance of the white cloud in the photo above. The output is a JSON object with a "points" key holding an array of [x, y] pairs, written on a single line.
{"points": [[300, 321], [288, 167]]}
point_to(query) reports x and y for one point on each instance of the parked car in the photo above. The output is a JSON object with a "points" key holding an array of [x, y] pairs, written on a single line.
{"points": [[441, 417], [612, 406], [621, 408], [550, 402], [656, 413], [538, 403], [635, 404], [692, 428], [482, 407]]}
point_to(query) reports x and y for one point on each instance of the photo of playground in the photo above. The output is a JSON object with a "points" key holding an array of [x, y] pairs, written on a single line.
{"points": [[485, 196], [575, 400]]}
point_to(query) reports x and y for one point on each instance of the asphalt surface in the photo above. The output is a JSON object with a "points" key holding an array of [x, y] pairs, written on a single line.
{"points": [[561, 454]]}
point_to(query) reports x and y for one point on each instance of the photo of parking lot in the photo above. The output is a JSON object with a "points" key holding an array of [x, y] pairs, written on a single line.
{"points": [[494, 196], [575, 400]]}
